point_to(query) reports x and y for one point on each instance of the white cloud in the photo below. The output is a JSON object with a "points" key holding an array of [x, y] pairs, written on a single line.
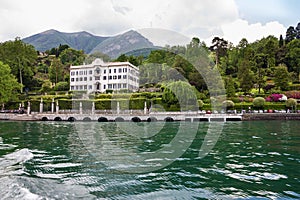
{"points": [[203, 19], [23, 18], [107, 17], [239, 29]]}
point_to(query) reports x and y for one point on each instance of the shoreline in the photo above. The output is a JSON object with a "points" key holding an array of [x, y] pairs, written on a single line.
{"points": [[152, 117], [270, 116]]}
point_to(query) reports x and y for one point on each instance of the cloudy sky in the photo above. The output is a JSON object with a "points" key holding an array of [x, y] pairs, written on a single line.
{"points": [[230, 19]]}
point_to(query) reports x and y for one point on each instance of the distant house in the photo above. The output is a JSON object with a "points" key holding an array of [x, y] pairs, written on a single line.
{"points": [[100, 76]]}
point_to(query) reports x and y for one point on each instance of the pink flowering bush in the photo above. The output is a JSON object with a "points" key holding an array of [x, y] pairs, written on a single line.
{"points": [[274, 97], [293, 94]]}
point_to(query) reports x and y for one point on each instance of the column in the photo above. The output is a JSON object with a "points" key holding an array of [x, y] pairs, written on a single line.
{"points": [[28, 108], [118, 107], [80, 107], [93, 107], [41, 105], [52, 106], [57, 107], [145, 108]]}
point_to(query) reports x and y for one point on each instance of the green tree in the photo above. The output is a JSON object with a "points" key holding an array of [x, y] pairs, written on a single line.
{"points": [[298, 31], [72, 57], [197, 80], [246, 79], [293, 56], [261, 64], [57, 50], [56, 72], [290, 34], [8, 84], [21, 58], [46, 87], [182, 66], [62, 86], [219, 46], [281, 77], [180, 93], [281, 41], [229, 86]]}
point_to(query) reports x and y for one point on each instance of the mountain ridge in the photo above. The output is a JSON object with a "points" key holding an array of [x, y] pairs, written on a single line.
{"points": [[90, 43], [123, 43], [52, 38]]}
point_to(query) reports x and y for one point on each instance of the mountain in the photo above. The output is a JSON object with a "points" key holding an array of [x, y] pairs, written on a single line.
{"points": [[163, 37], [112, 46], [123, 43], [141, 52], [53, 38]]}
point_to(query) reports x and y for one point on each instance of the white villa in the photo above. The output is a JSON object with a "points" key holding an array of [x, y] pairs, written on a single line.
{"points": [[100, 76]]}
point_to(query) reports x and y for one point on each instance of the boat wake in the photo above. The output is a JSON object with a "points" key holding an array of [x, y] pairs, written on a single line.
{"points": [[15, 183]]}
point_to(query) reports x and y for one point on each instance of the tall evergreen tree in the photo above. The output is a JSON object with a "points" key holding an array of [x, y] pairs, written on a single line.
{"points": [[290, 34]]}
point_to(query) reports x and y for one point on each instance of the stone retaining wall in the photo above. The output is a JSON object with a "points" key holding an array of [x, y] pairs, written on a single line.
{"points": [[270, 116]]}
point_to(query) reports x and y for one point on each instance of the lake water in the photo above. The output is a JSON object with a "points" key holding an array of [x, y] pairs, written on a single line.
{"points": [[92, 160]]}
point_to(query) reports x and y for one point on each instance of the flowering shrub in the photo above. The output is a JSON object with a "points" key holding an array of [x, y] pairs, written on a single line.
{"points": [[274, 97], [293, 94]]}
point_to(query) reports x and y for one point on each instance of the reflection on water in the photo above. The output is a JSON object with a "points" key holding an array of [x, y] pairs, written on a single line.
{"points": [[59, 160]]}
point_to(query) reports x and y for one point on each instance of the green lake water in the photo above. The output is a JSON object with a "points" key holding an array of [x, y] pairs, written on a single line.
{"points": [[92, 160]]}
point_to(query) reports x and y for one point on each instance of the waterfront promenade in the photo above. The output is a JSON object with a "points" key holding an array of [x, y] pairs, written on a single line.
{"points": [[109, 116]]}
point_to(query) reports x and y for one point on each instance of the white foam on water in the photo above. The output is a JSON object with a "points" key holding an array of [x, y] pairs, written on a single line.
{"points": [[28, 195], [62, 165], [11, 163], [4, 146], [25, 188]]}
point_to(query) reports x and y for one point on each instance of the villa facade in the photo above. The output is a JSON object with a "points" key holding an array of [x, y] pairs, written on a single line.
{"points": [[101, 76]]}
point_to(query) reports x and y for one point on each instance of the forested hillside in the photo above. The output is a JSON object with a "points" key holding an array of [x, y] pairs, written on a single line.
{"points": [[267, 66]]}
